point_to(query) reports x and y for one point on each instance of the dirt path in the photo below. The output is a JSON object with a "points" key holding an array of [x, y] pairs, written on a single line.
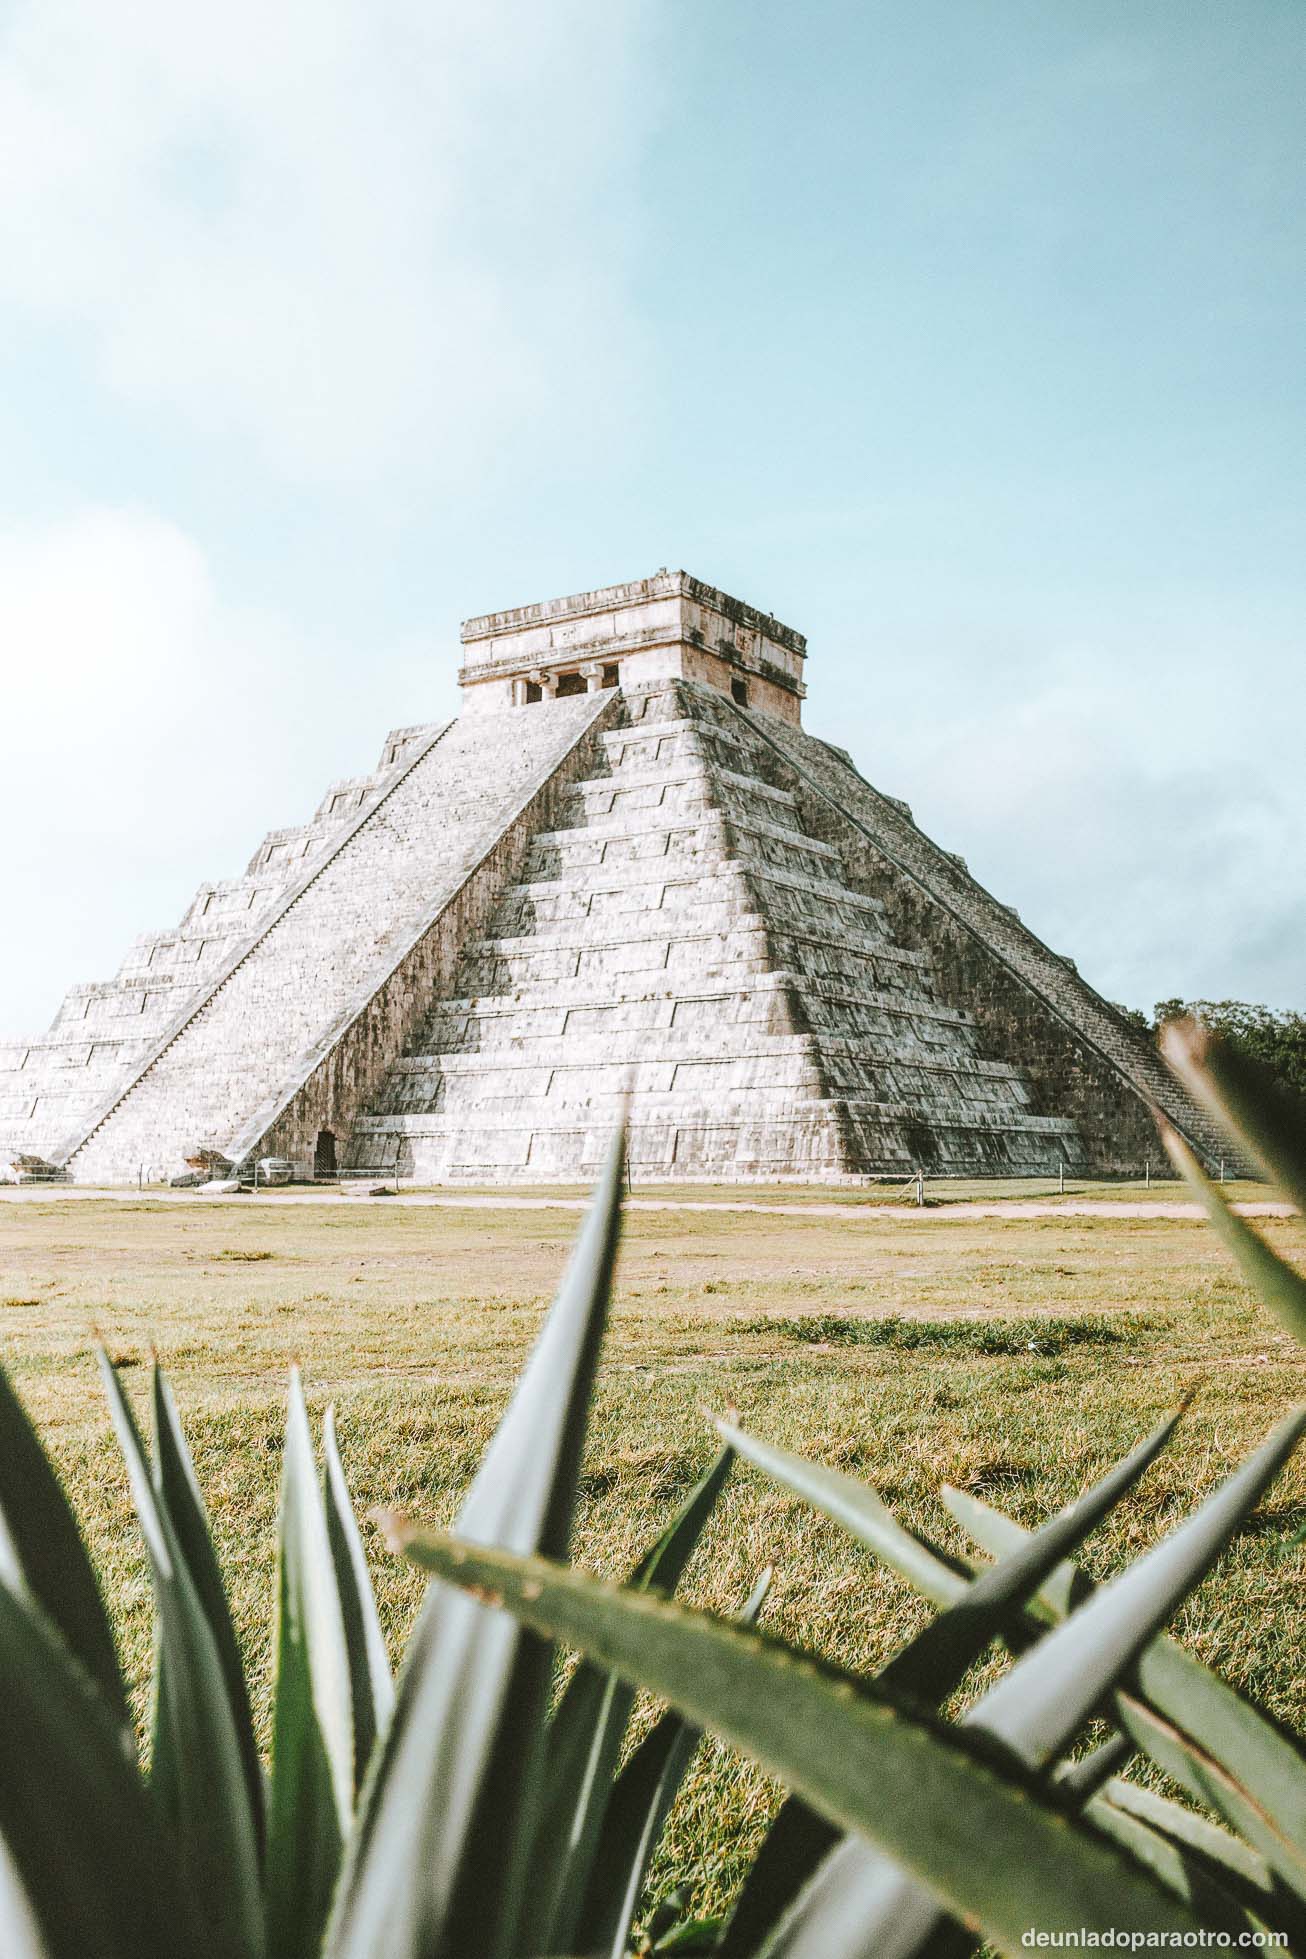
{"points": [[901, 1213]]}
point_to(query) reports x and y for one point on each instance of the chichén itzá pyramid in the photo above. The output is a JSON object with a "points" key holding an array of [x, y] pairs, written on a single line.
{"points": [[624, 867]]}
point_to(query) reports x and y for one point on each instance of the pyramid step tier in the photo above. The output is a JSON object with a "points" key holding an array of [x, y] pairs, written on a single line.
{"points": [[590, 960], [631, 792], [604, 1106], [715, 893], [742, 1042], [705, 1007], [677, 838], [770, 1072], [809, 1142]]}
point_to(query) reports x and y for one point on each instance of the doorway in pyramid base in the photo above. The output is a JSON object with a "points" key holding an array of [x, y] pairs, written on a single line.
{"points": [[624, 877]]}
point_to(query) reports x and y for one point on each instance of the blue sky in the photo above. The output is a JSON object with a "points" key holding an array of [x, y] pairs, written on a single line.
{"points": [[968, 339]]}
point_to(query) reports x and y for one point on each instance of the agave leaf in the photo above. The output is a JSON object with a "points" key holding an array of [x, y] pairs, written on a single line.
{"points": [[860, 1904], [1179, 1866], [937, 1660], [1277, 1837], [1063, 1588], [941, 1577], [1265, 1117], [793, 1849], [20, 1935], [585, 1743], [1273, 1281], [312, 1794], [860, 1896], [1240, 1866], [1078, 1780], [633, 1825], [692, 1936], [979, 1831], [439, 1855], [42, 1553], [85, 1860], [663, 1564], [177, 1489], [1228, 1752], [371, 1684], [1036, 1706], [201, 1791], [637, 1815]]}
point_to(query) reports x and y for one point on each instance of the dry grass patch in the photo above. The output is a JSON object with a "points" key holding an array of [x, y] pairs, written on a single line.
{"points": [[1013, 1357]]}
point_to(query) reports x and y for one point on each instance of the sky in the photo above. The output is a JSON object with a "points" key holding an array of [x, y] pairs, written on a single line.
{"points": [[966, 338]]}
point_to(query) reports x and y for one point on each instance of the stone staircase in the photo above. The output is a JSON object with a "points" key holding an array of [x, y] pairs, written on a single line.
{"points": [[681, 939], [285, 1004], [1051, 976], [52, 1084]]}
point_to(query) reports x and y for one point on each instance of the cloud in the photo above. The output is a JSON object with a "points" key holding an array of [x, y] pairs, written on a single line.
{"points": [[153, 734], [1153, 832], [365, 234]]}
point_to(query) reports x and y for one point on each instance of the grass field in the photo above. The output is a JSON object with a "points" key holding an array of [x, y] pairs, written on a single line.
{"points": [[1013, 1356]]}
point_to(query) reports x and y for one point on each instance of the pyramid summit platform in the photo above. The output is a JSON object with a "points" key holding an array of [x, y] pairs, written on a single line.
{"points": [[624, 869]]}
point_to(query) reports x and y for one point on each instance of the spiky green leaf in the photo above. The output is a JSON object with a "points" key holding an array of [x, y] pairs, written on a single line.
{"points": [[792, 1851], [936, 1661], [178, 1492], [856, 1890], [1081, 1777], [89, 1864], [201, 1791], [636, 1816], [20, 1935], [585, 1737], [981, 1834], [1267, 1118], [1035, 1708], [1241, 1868], [371, 1684], [942, 1578], [1180, 1867], [42, 1553], [1279, 1836], [860, 1902], [1228, 1752], [1271, 1278], [438, 1861], [312, 1795]]}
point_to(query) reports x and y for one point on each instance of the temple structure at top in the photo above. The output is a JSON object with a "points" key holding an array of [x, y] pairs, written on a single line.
{"points": [[626, 875], [664, 628]]}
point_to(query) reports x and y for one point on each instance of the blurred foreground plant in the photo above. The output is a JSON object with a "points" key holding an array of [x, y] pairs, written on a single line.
{"points": [[451, 1815], [447, 1812]]}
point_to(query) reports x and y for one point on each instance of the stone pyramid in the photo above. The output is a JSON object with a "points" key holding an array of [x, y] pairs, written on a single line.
{"points": [[624, 870]]}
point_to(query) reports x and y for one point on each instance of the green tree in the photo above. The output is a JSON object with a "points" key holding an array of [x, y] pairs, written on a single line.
{"points": [[1276, 1037]]}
